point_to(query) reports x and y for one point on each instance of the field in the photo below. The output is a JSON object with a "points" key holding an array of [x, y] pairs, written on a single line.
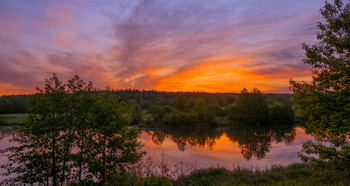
{"points": [[12, 119]]}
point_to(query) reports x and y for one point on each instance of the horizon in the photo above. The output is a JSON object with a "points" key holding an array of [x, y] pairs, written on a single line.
{"points": [[196, 46], [172, 92]]}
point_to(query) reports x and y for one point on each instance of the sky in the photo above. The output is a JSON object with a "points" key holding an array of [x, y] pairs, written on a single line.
{"points": [[178, 45]]}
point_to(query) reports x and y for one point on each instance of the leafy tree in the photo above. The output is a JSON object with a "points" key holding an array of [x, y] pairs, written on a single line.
{"points": [[217, 110], [325, 101], [180, 102], [136, 113], [281, 113], [38, 159], [173, 119], [79, 117], [157, 112], [190, 105], [210, 117], [111, 145], [249, 107], [73, 134], [168, 108], [201, 110]]}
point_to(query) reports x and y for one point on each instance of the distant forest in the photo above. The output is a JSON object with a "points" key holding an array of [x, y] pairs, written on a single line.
{"points": [[146, 99]]}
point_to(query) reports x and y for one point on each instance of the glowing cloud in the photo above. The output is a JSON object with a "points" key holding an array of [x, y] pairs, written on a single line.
{"points": [[182, 45]]}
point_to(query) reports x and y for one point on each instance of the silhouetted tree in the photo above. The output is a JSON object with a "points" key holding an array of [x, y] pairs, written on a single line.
{"points": [[157, 113], [250, 107], [71, 116], [325, 102]]}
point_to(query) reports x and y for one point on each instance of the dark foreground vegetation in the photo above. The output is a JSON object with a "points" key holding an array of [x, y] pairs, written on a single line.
{"points": [[72, 134], [295, 174]]}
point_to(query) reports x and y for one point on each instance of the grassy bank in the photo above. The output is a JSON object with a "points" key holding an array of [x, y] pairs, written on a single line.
{"points": [[12, 119], [295, 174]]}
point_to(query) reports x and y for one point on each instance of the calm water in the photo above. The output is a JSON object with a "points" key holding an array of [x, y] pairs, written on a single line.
{"points": [[255, 148]]}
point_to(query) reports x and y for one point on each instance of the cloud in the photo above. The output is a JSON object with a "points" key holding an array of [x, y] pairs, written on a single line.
{"points": [[184, 35], [164, 45]]}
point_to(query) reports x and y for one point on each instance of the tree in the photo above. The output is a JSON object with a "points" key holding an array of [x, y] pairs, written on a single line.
{"points": [[111, 144], [281, 113], [39, 156], [250, 107], [136, 112], [71, 128], [180, 102], [157, 113], [325, 101]]}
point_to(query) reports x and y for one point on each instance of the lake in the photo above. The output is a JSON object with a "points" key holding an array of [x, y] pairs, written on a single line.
{"points": [[190, 149]]}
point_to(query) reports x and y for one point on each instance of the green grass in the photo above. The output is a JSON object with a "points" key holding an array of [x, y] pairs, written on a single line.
{"points": [[295, 174], [12, 119]]}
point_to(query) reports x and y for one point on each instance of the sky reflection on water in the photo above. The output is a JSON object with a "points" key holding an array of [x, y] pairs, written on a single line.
{"points": [[224, 152], [218, 150]]}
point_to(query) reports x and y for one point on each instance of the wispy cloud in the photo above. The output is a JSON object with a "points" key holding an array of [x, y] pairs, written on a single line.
{"points": [[165, 45]]}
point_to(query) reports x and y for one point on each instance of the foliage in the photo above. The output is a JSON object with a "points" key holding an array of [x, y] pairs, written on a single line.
{"points": [[180, 102], [325, 101], [281, 113], [251, 108], [212, 108], [136, 112], [14, 104], [294, 174], [111, 145], [157, 113], [73, 134]]}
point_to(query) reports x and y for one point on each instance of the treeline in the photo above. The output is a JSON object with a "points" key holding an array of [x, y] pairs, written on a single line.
{"points": [[188, 109], [145, 99], [14, 104], [193, 110], [251, 107]]}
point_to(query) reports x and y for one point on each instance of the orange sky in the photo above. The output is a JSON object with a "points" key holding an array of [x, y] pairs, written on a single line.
{"points": [[219, 46]]}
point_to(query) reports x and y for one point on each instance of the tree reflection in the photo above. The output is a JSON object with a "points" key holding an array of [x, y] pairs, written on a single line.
{"points": [[157, 136], [254, 140], [200, 137]]}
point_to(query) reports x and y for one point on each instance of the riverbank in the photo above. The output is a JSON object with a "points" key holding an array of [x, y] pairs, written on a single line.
{"points": [[294, 174], [12, 119]]}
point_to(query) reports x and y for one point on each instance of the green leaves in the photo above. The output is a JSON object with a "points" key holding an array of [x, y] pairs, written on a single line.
{"points": [[73, 134], [249, 107], [324, 102]]}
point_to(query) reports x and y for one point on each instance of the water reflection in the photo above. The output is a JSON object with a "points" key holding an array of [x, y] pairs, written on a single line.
{"points": [[6, 135], [199, 137], [253, 140], [256, 140], [197, 148]]}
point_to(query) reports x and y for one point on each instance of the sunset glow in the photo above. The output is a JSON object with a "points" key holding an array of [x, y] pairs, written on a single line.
{"points": [[224, 152], [208, 46]]}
